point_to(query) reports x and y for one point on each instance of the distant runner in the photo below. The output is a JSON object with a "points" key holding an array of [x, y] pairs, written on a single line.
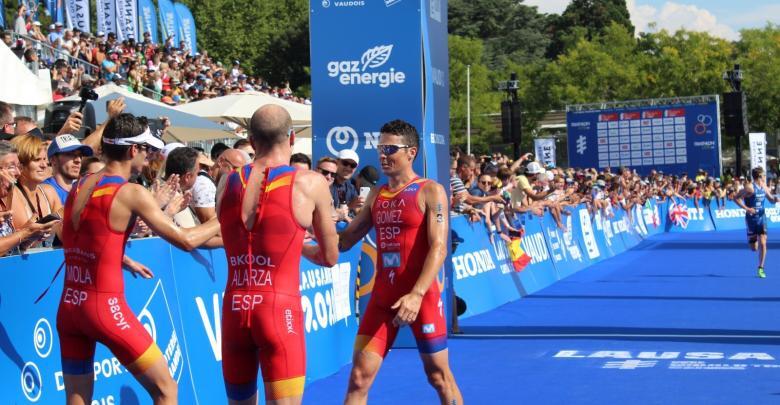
{"points": [[751, 199]]}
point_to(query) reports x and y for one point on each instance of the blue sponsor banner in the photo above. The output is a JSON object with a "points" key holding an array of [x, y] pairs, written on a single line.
{"points": [[147, 19], [683, 216], [364, 76], [563, 246], [540, 273], [634, 227], [479, 265], [180, 307], [185, 24], [168, 21], [652, 217], [677, 138], [583, 226], [728, 217]]}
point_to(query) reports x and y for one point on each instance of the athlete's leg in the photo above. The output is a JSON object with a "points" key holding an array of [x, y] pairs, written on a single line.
{"points": [[156, 379], [365, 366], [761, 250], [78, 388], [375, 336], [440, 377]]}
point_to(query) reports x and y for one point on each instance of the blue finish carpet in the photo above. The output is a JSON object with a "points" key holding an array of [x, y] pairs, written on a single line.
{"points": [[679, 319]]}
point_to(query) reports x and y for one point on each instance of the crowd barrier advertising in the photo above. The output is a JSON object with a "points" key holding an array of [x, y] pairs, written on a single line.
{"points": [[481, 264], [564, 248], [681, 138], [180, 307], [683, 215]]}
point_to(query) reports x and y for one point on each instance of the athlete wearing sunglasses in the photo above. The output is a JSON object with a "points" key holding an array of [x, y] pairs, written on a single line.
{"points": [[411, 220]]}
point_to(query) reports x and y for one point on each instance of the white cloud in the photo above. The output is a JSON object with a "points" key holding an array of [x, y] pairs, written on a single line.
{"points": [[674, 16], [549, 6]]}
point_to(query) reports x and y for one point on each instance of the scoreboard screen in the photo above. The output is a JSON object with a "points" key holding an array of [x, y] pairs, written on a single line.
{"points": [[676, 139]]}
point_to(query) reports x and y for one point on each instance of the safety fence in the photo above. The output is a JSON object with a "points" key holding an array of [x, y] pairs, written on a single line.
{"points": [[181, 306]]}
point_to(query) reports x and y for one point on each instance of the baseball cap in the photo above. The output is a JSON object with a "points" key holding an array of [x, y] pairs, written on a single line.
{"points": [[38, 23], [51, 26], [349, 154], [170, 147], [101, 34], [58, 24], [534, 168], [601, 183], [369, 174], [67, 143]]}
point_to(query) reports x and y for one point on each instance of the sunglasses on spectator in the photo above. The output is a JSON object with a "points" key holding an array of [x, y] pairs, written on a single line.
{"points": [[348, 163], [486, 183], [390, 149], [327, 173]]}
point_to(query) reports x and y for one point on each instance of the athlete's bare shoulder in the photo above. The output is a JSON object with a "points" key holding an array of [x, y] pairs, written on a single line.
{"points": [[310, 181]]}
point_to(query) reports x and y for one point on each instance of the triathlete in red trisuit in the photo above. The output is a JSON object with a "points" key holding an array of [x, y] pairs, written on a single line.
{"points": [[264, 209], [410, 217], [99, 214]]}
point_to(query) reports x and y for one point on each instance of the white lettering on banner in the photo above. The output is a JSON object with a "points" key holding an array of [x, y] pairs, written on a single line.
{"points": [[353, 72], [438, 77], [172, 354], [534, 245], [556, 247], [331, 305], [107, 400], [472, 263], [664, 355], [345, 137], [591, 247], [568, 241], [729, 213], [214, 333]]}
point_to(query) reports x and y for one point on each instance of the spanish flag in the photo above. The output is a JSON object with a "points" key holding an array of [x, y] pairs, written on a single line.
{"points": [[520, 259]]}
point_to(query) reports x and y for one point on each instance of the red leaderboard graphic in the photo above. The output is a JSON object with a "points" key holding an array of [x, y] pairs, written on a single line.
{"points": [[674, 138]]}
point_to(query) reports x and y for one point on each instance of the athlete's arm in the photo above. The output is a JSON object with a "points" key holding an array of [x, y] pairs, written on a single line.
{"points": [[325, 252], [359, 226], [437, 222], [140, 202], [739, 199]]}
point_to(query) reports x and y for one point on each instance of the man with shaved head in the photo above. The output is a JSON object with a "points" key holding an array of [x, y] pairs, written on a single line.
{"points": [[264, 209], [229, 160]]}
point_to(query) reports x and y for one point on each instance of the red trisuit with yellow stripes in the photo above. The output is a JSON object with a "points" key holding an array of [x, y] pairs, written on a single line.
{"points": [[262, 318], [93, 307], [402, 246]]}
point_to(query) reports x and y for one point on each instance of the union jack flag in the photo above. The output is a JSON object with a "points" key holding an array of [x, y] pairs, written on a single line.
{"points": [[678, 213]]}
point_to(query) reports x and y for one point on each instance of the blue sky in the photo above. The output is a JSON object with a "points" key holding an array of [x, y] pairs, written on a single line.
{"points": [[723, 18]]}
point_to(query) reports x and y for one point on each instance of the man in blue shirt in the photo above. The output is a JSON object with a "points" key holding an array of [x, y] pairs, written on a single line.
{"points": [[65, 153], [342, 190]]}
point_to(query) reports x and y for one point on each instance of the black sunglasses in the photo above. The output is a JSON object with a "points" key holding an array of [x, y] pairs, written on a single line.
{"points": [[348, 163], [327, 173], [485, 183], [390, 149]]}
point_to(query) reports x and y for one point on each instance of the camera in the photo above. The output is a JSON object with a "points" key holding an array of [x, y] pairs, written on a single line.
{"points": [[86, 93]]}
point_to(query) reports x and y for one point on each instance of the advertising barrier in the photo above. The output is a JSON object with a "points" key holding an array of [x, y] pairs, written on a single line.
{"points": [[180, 307], [683, 215]]}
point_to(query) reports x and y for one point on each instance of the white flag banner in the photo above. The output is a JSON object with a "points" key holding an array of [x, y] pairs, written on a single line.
{"points": [[545, 151], [126, 19], [106, 16], [758, 150], [77, 15]]}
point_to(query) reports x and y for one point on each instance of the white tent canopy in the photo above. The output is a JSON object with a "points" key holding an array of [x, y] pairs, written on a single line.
{"points": [[18, 85], [184, 127], [238, 108]]}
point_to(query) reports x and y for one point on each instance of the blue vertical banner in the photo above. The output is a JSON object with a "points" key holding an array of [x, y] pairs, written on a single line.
{"points": [[78, 15], [126, 19], [167, 21], [2, 14], [147, 19], [364, 76], [106, 16], [58, 15], [186, 27]]}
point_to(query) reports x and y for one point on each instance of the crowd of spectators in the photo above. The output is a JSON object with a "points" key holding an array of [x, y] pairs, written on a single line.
{"points": [[495, 187], [168, 72]]}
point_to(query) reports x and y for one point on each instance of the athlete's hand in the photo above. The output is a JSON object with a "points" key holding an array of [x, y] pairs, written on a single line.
{"points": [[751, 211], [408, 307], [164, 191], [136, 268]]}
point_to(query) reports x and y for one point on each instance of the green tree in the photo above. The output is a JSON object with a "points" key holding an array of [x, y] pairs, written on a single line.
{"points": [[484, 100], [269, 37], [510, 30], [759, 56], [593, 15]]}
